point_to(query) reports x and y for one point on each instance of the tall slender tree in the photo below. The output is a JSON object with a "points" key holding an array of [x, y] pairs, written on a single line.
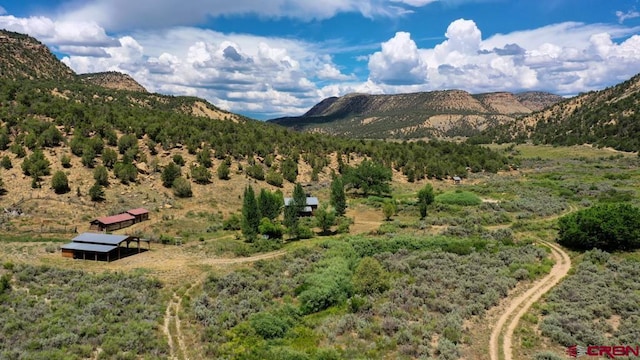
{"points": [[425, 198], [250, 215], [338, 197]]}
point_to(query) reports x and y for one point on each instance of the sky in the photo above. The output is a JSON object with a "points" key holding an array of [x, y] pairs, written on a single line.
{"points": [[273, 58]]}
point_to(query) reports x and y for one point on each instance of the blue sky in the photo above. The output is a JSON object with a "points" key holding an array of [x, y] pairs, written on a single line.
{"points": [[271, 58]]}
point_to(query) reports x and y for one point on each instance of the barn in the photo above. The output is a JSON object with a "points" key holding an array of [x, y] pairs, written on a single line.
{"points": [[140, 214], [105, 247], [114, 222]]}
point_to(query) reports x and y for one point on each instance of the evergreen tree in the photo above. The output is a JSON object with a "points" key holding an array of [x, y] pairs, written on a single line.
{"points": [[293, 209], [338, 196], [60, 183], [425, 198], [270, 204], [169, 174], [250, 215]]}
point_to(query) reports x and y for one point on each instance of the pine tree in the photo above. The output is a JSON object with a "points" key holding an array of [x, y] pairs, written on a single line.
{"points": [[425, 198], [338, 197], [250, 215], [96, 192]]}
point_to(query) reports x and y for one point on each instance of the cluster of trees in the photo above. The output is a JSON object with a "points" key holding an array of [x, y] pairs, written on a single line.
{"points": [[614, 226], [261, 213]]}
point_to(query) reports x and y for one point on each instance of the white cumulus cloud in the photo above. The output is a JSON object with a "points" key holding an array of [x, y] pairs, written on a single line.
{"points": [[399, 62]]}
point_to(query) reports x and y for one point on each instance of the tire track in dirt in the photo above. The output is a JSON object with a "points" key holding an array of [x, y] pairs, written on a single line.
{"points": [[177, 347], [501, 348]]}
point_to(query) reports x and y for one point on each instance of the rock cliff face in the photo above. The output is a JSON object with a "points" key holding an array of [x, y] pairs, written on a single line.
{"points": [[427, 114]]}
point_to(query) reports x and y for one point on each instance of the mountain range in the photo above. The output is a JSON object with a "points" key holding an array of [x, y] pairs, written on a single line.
{"points": [[437, 114]]}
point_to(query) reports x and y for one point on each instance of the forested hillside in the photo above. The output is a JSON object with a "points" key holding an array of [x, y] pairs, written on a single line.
{"points": [[610, 118]]}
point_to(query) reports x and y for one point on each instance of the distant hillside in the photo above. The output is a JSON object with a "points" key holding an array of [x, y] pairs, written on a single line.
{"points": [[610, 117], [426, 114], [113, 80], [22, 56]]}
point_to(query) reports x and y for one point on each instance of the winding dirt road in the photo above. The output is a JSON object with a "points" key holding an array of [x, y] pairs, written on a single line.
{"points": [[500, 346]]}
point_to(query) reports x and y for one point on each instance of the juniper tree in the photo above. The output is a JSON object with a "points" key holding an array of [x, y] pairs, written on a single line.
{"points": [[425, 198]]}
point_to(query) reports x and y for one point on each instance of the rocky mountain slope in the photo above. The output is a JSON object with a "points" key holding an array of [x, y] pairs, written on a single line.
{"points": [[426, 114], [22, 56], [113, 80]]}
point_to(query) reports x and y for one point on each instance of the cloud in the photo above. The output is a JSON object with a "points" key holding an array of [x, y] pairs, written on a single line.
{"points": [[564, 58], [399, 62], [2, 10], [76, 33], [623, 16], [119, 15]]}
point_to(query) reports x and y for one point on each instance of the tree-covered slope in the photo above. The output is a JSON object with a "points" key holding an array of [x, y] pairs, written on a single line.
{"points": [[22, 56], [610, 117]]}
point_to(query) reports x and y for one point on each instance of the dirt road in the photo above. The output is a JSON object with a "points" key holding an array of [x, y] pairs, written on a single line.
{"points": [[500, 346], [172, 327]]}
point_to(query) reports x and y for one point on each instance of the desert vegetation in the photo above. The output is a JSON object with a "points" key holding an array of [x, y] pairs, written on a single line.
{"points": [[48, 313]]}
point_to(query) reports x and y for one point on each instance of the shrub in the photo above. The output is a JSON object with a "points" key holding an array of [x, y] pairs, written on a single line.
{"points": [[182, 188], [268, 325], [178, 160], [101, 175], [463, 198], [256, 171], [170, 173], [60, 183], [201, 175], [233, 222], [65, 161], [274, 178], [223, 171], [271, 229], [96, 192], [6, 162], [126, 172], [370, 277], [604, 226]]}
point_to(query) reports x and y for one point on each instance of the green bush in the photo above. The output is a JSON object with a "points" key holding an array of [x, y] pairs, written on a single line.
{"points": [[60, 183], [182, 188], [605, 226], [463, 198]]}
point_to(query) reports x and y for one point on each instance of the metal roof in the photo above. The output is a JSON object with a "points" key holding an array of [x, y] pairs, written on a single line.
{"points": [[311, 201], [138, 211], [89, 247], [103, 239], [107, 220]]}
